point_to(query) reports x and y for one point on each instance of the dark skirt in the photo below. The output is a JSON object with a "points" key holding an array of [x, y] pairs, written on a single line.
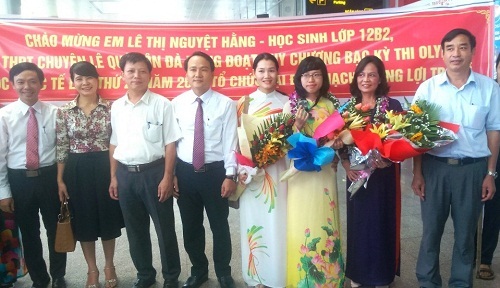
{"points": [[12, 263], [94, 213], [373, 229]]}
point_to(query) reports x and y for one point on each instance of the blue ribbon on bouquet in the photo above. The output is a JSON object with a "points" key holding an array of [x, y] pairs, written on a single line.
{"points": [[307, 155]]}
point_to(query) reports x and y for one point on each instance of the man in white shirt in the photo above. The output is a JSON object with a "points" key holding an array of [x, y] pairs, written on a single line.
{"points": [[208, 186], [29, 186], [456, 178], [142, 157]]}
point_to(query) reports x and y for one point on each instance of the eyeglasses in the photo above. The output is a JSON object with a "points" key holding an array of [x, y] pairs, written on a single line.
{"points": [[316, 76]]}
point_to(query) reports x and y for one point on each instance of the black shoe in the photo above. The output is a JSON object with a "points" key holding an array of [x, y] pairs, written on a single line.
{"points": [[196, 281], [171, 284], [226, 282], [141, 283], [40, 284], [59, 282]]}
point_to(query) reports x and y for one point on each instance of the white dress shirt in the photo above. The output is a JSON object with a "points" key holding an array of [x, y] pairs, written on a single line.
{"points": [[13, 127], [142, 130], [220, 122]]}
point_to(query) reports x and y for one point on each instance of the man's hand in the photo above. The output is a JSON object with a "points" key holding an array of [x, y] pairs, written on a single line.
{"points": [[165, 189], [7, 205], [418, 185], [113, 188], [228, 188], [489, 188], [176, 188]]}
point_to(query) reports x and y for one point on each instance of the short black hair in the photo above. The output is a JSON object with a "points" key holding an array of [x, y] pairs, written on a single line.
{"points": [[265, 56], [459, 31], [83, 68], [308, 64], [382, 88], [25, 66], [201, 54], [134, 57]]}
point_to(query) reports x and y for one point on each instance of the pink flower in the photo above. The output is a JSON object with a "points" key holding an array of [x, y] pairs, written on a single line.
{"points": [[317, 260], [332, 204], [327, 192], [307, 232], [329, 244], [329, 220], [303, 249], [299, 268]]}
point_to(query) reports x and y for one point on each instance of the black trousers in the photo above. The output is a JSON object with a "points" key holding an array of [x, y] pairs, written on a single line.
{"points": [[138, 196], [34, 195], [199, 191]]}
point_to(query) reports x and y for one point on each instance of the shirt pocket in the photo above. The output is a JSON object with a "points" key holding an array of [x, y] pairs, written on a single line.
{"points": [[49, 135], [475, 117], [153, 131], [213, 128]]}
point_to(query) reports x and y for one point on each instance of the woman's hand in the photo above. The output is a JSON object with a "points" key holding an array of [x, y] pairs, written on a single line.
{"points": [[352, 175], [301, 117], [382, 163], [337, 144], [63, 192]]}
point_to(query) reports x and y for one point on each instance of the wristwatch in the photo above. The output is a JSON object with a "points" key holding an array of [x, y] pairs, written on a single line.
{"points": [[493, 173], [232, 177]]}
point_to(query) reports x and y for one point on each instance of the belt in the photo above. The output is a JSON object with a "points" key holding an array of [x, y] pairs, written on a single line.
{"points": [[457, 161], [207, 167], [34, 173], [143, 167]]}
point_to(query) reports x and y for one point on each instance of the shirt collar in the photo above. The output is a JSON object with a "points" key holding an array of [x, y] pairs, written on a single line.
{"points": [[24, 108], [205, 97], [74, 103], [145, 98], [443, 78]]}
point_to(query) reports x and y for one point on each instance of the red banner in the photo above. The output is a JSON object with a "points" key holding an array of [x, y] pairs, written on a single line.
{"points": [[407, 41]]}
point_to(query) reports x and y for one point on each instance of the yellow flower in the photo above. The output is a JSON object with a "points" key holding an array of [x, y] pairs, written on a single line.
{"points": [[356, 122], [380, 130], [416, 109], [417, 136], [396, 120]]}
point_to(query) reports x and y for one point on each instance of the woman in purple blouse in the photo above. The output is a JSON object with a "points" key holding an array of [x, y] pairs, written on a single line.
{"points": [[83, 131]]}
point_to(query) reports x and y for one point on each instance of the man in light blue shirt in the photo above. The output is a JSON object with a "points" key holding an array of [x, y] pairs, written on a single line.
{"points": [[457, 177]]}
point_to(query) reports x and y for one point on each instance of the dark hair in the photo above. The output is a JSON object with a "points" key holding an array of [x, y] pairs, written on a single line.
{"points": [[201, 54], [459, 31], [308, 64], [265, 56], [134, 57], [25, 66], [83, 68], [382, 88]]}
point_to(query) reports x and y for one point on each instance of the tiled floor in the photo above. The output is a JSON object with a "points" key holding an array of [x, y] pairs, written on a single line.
{"points": [[411, 230]]}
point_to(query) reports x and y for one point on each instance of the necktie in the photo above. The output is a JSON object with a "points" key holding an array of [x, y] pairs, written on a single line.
{"points": [[199, 138], [32, 160]]}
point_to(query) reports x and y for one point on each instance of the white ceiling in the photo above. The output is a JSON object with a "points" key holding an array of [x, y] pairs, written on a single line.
{"points": [[151, 10]]}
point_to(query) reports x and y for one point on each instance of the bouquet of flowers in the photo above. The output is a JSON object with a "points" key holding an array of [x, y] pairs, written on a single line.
{"points": [[262, 143], [400, 136], [406, 134]]}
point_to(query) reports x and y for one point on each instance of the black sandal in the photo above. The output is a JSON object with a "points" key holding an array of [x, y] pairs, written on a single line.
{"points": [[485, 272]]}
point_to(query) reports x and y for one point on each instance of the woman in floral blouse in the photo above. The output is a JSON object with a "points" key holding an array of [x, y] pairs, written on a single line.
{"points": [[83, 130]]}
